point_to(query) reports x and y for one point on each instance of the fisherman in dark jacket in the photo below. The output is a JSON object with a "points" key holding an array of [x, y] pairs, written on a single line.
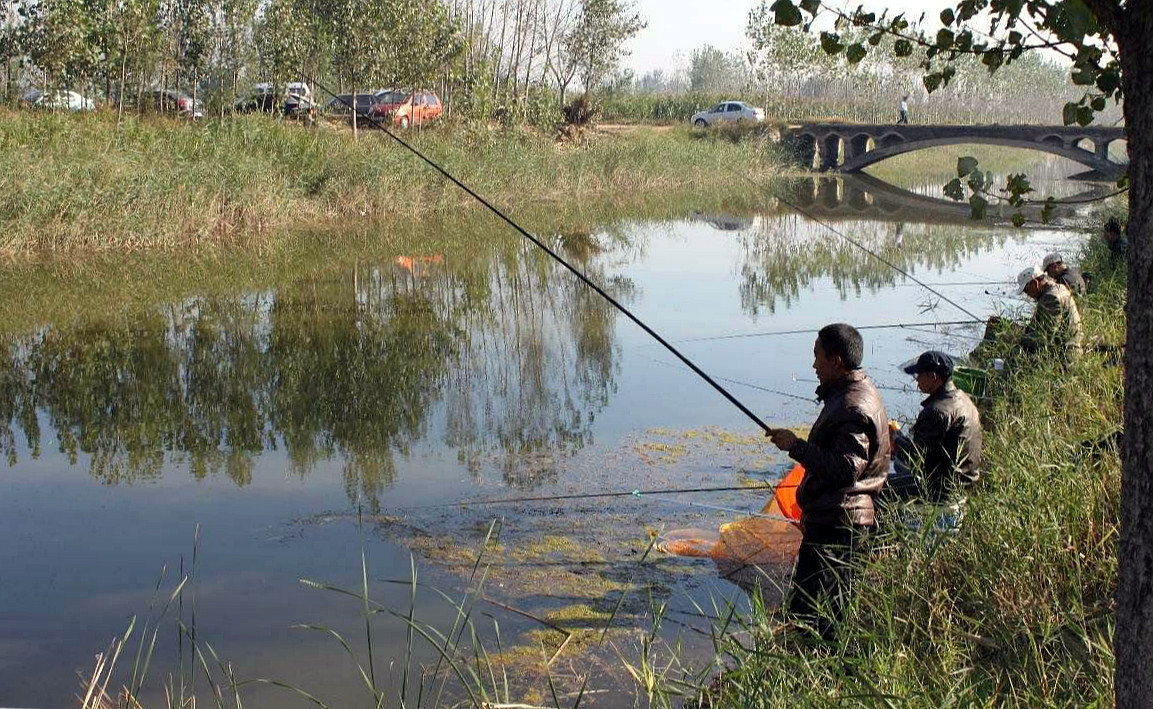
{"points": [[942, 458], [846, 459]]}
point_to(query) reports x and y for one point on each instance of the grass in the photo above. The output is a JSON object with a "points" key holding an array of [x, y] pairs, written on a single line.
{"points": [[1016, 610], [82, 182]]}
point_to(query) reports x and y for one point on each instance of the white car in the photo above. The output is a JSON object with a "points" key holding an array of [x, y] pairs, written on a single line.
{"points": [[60, 100], [728, 112]]}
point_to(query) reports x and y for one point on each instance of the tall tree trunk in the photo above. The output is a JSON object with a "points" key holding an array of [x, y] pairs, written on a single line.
{"points": [[1133, 640]]}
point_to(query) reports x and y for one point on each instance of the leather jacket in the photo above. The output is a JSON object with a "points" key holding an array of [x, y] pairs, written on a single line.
{"points": [[846, 457], [945, 444]]}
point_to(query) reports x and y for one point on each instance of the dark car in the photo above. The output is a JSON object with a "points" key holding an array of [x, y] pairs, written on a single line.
{"points": [[339, 105], [295, 100], [172, 101]]}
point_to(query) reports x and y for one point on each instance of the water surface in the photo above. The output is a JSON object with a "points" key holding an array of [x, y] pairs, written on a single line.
{"points": [[271, 419]]}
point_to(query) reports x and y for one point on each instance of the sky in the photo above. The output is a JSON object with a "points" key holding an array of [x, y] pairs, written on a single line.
{"points": [[677, 27]]}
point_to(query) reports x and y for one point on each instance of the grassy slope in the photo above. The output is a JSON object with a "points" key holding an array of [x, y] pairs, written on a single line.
{"points": [[1016, 611], [81, 182]]}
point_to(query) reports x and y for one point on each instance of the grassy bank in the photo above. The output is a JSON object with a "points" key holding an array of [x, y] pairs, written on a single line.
{"points": [[1016, 610], [82, 182]]}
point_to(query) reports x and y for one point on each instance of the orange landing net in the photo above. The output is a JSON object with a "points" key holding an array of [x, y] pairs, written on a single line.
{"points": [[757, 541]]}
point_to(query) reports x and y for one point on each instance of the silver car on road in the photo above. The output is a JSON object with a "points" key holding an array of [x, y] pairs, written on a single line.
{"points": [[728, 112]]}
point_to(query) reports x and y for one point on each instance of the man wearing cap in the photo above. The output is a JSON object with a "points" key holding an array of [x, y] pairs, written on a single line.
{"points": [[1056, 323], [942, 458], [1055, 268], [846, 458]]}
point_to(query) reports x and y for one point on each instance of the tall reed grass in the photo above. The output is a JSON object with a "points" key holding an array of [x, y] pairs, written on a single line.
{"points": [[84, 182], [1016, 609]]}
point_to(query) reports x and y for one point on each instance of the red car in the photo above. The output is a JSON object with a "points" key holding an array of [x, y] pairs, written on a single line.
{"points": [[407, 109]]}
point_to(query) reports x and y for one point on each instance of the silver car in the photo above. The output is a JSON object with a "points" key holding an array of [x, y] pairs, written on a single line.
{"points": [[728, 112]]}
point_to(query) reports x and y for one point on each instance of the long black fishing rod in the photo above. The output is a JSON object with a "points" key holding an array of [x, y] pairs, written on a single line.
{"points": [[584, 279]]}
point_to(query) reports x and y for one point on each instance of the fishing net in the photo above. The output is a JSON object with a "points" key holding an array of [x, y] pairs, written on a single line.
{"points": [[751, 550]]}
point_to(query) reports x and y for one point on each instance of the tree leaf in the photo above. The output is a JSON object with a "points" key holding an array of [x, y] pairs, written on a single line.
{"points": [[1069, 113], [811, 6], [855, 53], [831, 43], [902, 48], [955, 190], [966, 165], [947, 17], [978, 205], [1018, 219], [786, 13]]}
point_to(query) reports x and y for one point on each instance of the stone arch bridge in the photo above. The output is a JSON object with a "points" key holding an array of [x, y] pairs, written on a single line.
{"points": [[847, 147]]}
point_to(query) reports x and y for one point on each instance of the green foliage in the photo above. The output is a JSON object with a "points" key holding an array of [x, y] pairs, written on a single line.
{"points": [[596, 42], [244, 180]]}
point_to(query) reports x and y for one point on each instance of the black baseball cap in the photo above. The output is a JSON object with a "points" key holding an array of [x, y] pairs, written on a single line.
{"points": [[932, 361]]}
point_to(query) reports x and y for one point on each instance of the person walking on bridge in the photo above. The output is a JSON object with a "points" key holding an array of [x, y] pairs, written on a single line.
{"points": [[846, 459]]}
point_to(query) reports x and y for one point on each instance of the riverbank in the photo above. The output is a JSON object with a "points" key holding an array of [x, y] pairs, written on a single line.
{"points": [[1017, 609], [82, 183]]}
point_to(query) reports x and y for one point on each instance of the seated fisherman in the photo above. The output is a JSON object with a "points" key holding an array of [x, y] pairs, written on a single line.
{"points": [[846, 458], [1056, 323], [1055, 268], [942, 457], [1115, 238]]}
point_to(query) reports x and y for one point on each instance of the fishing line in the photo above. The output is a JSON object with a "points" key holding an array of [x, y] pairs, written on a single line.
{"points": [[600, 291], [810, 331], [594, 496], [859, 245], [758, 387]]}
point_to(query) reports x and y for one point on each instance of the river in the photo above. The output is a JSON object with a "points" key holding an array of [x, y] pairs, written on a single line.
{"points": [[249, 438]]}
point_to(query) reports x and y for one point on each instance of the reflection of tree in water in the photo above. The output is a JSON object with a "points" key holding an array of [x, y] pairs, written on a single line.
{"points": [[333, 366], [789, 252], [539, 361]]}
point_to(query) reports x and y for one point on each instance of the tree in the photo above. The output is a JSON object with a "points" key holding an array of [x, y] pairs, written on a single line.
{"points": [[596, 42], [1106, 43], [710, 69]]}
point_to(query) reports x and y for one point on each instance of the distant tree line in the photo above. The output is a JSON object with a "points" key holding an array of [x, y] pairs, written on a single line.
{"points": [[504, 58]]}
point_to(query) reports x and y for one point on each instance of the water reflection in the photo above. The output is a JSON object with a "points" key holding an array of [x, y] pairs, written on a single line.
{"points": [[339, 365], [501, 355]]}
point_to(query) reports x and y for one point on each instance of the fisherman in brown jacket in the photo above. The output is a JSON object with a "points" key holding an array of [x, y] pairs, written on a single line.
{"points": [[846, 459]]}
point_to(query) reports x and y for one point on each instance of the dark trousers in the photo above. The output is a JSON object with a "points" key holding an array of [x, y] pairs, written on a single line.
{"points": [[822, 579]]}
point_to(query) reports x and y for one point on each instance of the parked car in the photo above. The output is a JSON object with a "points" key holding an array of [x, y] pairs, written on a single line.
{"points": [[728, 112], [60, 100], [173, 101], [408, 109], [339, 105], [294, 100]]}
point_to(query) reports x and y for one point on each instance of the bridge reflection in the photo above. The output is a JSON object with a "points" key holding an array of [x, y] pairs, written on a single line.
{"points": [[862, 196]]}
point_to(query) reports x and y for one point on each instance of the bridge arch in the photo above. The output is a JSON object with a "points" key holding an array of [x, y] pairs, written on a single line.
{"points": [[1093, 158]]}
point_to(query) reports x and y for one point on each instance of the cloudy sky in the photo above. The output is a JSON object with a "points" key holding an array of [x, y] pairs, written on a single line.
{"points": [[676, 27]]}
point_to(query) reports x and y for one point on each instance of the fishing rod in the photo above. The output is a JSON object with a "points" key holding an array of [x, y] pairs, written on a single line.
{"points": [[808, 331], [572, 269], [594, 496], [654, 495]]}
